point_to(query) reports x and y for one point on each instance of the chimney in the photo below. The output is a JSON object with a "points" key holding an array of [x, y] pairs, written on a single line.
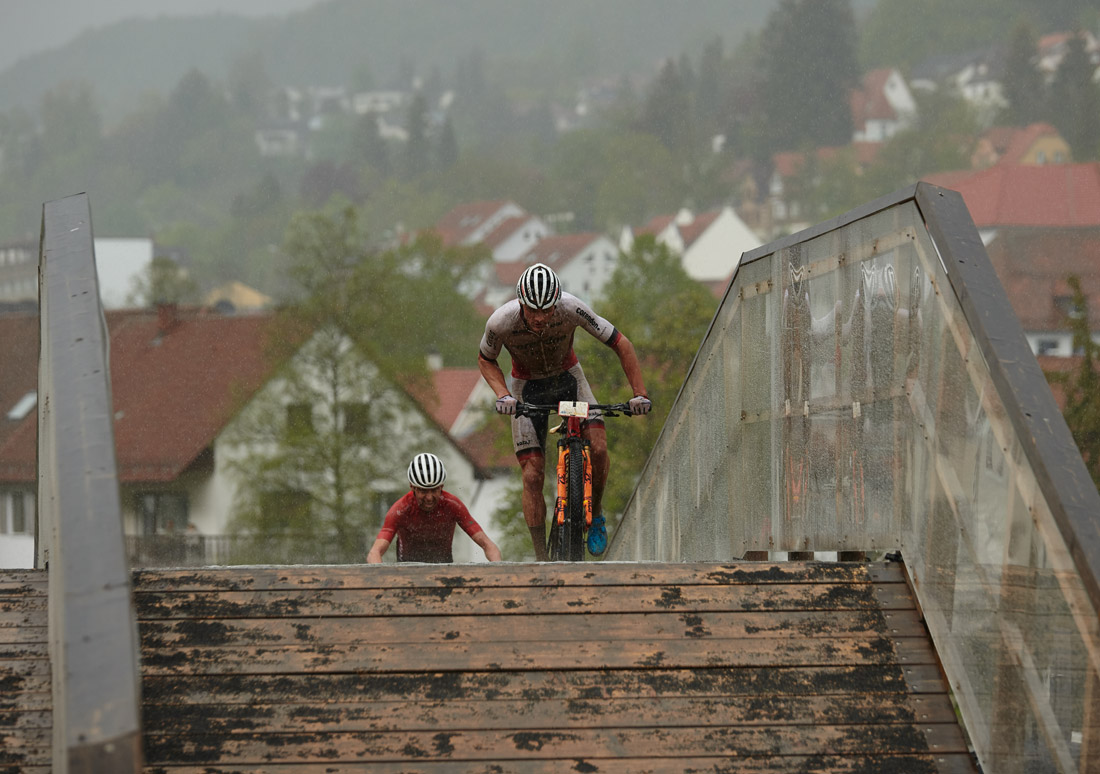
{"points": [[435, 361]]}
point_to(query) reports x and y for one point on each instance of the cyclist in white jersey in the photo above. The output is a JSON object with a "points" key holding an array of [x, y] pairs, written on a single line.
{"points": [[537, 329]]}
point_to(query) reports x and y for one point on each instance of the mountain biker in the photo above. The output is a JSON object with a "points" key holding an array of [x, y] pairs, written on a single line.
{"points": [[424, 519], [537, 329]]}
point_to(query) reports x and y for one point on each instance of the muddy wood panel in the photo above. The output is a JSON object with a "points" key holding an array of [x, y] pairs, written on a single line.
{"points": [[582, 684], [556, 743], [534, 668], [535, 627], [954, 763], [504, 575], [26, 698], [520, 601], [634, 654], [534, 713]]}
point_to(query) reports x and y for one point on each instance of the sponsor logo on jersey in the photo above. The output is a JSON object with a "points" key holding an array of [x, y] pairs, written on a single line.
{"points": [[587, 318]]}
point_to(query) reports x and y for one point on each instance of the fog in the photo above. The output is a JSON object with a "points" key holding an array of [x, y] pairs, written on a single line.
{"points": [[30, 26]]}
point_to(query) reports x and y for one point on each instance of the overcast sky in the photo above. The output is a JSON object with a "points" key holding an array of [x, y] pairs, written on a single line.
{"points": [[29, 26]]}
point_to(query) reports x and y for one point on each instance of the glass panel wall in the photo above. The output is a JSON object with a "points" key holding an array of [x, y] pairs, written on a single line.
{"points": [[842, 400]]}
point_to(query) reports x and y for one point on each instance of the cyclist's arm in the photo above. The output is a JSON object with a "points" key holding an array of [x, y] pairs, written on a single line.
{"points": [[374, 556], [492, 553], [494, 377], [628, 358]]}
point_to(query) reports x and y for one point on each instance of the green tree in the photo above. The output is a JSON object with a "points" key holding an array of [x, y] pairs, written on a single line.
{"points": [[1075, 102], [164, 282], [1023, 83], [808, 73], [1081, 387], [664, 313], [324, 447], [417, 151], [320, 453], [666, 113], [448, 145]]}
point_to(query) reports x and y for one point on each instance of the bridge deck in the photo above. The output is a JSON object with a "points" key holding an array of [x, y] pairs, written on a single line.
{"points": [[596, 667], [26, 701]]}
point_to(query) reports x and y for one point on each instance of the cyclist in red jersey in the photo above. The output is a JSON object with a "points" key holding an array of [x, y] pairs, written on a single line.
{"points": [[537, 329], [424, 520]]}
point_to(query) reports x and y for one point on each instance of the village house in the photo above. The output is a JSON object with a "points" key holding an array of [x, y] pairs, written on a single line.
{"points": [[1040, 224], [183, 384], [1038, 143]]}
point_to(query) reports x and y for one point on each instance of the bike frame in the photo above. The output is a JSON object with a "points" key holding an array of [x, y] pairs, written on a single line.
{"points": [[573, 503]]}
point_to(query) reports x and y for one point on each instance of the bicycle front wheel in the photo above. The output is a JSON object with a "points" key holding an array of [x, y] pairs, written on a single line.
{"points": [[573, 529]]}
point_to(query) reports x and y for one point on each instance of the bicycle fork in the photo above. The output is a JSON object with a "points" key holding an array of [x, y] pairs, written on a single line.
{"points": [[562, 500]]}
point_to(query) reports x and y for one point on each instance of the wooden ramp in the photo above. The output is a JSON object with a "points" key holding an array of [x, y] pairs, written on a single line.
{"points": [[594, 667], [26, 717]]}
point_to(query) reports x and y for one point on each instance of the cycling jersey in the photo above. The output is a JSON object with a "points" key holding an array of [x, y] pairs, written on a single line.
{"points": [[426, 537], [541, 355]]}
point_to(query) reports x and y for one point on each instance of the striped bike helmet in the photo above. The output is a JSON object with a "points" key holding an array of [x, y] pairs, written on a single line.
{"points": [[426, 471], [538, 287]]}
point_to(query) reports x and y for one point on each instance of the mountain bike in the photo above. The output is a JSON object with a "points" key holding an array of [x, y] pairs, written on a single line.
{"points": [[573, 504]]}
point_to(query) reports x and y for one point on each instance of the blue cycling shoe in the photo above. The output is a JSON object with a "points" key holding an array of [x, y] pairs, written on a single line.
{"points": [[597, 536]]}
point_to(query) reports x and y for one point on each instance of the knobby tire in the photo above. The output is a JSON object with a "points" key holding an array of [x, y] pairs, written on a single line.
{"points": [[573, 533]]}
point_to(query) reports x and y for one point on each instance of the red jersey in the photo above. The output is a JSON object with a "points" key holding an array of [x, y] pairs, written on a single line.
{"points": [[426, 537]]}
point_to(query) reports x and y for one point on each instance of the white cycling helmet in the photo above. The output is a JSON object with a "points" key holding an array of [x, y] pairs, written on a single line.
{"points": [[538, 287], [426, 471]]}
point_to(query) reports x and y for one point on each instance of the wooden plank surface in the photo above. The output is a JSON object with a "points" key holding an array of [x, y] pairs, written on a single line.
{"points": [[26, 698], [610, 667]]}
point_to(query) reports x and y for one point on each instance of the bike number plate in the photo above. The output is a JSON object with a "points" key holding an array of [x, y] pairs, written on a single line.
{"points": [[573, 408]]}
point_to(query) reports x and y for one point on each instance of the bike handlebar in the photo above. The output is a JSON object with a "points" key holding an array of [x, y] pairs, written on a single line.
{"points": [[608, 409]]}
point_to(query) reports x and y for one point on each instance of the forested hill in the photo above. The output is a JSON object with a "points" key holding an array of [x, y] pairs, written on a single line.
{"points": [[332, 41]]}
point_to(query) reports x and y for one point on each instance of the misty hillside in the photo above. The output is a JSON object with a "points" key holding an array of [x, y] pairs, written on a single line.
{"points": [[326, 44]]}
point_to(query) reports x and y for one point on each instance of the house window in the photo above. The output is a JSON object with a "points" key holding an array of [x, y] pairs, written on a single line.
{"points": [[356, 420], [1041, 157], [1046, 346], [162, 513], [299, 418], [17, 512]]}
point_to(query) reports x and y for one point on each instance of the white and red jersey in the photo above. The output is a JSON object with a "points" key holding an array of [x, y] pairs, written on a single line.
{"points": [[541, 355]]}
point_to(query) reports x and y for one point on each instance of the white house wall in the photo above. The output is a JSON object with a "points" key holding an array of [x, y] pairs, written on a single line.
{"points": [[717, 251]]}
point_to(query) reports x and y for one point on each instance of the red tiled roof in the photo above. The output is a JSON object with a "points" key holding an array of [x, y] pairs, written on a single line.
{"points": [[1033, 265], [173, 392], [697, 227], [460, 222], [19, 356], [1019, 142], [451, 388], [557, 249], [656, 225], [504, 229], [1051, 196], [869, 103], [508, 271]]}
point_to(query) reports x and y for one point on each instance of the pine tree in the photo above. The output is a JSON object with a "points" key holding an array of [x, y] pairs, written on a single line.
{"points": [[417, 150], [1075, 102], [809, 72], [1023, 83], [448, 146]]}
